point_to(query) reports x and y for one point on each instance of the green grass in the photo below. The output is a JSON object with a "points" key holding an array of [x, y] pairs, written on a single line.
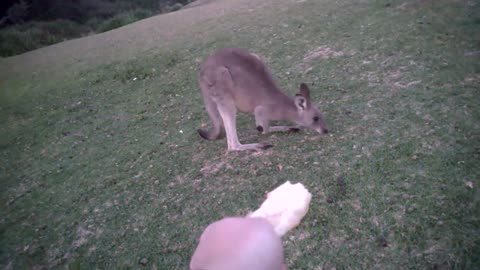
{"points": [[104, 168]]}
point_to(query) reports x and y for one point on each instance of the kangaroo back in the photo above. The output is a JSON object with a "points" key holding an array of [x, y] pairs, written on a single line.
{"points": [[253, 83]]}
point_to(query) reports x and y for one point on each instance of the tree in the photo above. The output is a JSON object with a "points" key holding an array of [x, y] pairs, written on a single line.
{"points": [[16, 13]]}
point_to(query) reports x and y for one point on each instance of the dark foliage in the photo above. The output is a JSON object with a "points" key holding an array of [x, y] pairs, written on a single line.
{"points": [[78, 11], [31, 24]]}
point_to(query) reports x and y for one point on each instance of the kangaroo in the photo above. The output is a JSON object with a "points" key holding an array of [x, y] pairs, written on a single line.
{"points": [[234, 79]]}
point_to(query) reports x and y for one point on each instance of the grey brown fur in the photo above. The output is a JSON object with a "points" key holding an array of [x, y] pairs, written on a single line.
{"points": [[234, 80]]}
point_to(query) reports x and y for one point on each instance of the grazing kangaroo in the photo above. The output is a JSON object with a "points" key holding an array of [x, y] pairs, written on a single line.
{"points": [[234, 79]]}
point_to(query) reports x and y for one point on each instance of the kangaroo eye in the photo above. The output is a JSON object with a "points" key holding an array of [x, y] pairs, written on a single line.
{"points": [[316, 118]]}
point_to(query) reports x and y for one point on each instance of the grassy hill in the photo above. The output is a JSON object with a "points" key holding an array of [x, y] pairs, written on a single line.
{"points": [[101, 166]]}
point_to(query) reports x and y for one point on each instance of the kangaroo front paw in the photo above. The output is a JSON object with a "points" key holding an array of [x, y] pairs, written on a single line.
{"points": [[260, 128], [263, 146], [293, 130]]}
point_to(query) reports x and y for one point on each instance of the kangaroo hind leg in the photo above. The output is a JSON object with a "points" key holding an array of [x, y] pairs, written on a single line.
{"points": [[217, 130], [228, 112]]}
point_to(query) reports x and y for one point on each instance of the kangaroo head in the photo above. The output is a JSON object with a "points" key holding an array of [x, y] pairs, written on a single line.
{"points": [[308, 114]]}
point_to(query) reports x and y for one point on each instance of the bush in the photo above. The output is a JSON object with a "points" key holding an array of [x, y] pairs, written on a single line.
{"points": [[174, 7], [94, 23], [18, 39], [75, 10], [124, 19], [16, 13], [141, 13]]}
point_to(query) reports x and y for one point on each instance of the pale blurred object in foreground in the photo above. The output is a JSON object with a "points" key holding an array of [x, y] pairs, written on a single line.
{"points": [[285, 207], [239, 243]]}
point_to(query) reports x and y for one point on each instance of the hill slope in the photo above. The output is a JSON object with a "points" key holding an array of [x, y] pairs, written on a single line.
{"points": [[126, 42]]}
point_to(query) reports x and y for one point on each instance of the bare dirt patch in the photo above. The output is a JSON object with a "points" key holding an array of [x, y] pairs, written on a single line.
{"points": [[336, 240], [82, 236], [322, 52], [211, 167], [394, 80]]}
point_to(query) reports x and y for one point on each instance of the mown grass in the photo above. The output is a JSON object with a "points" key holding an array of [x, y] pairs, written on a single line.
{"points": [[105, 168]]}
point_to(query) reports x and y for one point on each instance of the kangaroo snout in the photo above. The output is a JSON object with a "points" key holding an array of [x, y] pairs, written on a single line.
{"points": [[322, 130]]}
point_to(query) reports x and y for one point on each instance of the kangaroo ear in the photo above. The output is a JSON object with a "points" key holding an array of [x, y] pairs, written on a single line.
{"points": [[300, 102], [304, 91]]}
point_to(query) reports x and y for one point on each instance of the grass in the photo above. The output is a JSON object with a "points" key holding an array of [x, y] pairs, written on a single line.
{"points": [[104, 168]]}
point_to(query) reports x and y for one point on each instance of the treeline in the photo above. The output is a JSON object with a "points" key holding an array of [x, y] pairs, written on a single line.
{"points": [[30, 24], [80, 11]]}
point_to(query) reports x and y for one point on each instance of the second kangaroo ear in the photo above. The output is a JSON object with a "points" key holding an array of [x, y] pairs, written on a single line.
{"points": [[300, 102], [304, 91]]}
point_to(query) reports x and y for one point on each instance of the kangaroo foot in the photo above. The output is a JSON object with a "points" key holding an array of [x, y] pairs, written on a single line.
{"points": [[251, 146], [203, 133]]}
